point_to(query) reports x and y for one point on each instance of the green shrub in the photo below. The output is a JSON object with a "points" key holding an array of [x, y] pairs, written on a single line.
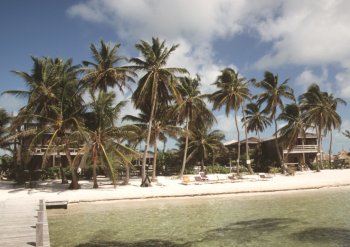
{"points": [[217, 169], [50, 173], [274, 170]]}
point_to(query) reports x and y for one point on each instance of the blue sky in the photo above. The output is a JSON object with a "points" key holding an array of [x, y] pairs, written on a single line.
{"points": [[305, 41]]}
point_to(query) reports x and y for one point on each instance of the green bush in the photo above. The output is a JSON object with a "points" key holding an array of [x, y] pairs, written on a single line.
{"points": [[274, 170], [50, 173], [217, 169]]}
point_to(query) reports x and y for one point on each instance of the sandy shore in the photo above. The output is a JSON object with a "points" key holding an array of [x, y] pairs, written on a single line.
{"points": [[54, 191]]}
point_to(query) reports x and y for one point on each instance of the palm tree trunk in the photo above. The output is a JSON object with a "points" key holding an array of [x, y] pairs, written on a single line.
{"points": [[143, 168], [330, 148], [185, 151], [246, 143], [74, 184], [154, 173], [239, 143], [319, 148], [258, 155], [303, 164], [280, 160], [94, 165], [127, 175], [63, 174]]}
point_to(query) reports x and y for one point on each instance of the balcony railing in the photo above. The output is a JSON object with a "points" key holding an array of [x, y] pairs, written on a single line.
{"points": [[302, 149], [40, 150]]}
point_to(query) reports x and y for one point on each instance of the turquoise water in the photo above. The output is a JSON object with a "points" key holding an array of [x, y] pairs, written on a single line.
{"points": [[307, 218]]}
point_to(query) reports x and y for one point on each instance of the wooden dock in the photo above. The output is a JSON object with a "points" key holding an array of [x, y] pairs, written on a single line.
{"points": [[19, 221]]}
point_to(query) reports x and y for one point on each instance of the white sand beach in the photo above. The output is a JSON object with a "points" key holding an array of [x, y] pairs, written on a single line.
{"points": [[54, 191]]}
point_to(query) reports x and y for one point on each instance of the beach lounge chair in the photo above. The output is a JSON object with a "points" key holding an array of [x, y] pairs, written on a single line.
{"points": [[265, 176], [213, 178], [186, 179], [203, 176]]}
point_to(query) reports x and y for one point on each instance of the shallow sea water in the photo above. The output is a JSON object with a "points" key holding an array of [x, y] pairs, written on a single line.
{"points": [[301, 218]]}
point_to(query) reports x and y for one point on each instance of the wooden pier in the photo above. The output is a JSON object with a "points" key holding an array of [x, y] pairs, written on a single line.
{"points": [[22, 221]]}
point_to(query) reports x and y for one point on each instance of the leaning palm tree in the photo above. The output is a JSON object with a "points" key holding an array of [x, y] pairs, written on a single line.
{"points": [[158, 84], [104, 138], [294, 128], [232, 93], [202, 144], [104, 71], [272, 96], [256, 121], [192, 110]]}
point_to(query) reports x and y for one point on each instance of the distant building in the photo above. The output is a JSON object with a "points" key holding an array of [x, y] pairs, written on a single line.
{"points": [[265, 154]]}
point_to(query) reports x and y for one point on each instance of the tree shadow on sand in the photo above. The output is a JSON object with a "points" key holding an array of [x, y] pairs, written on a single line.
{"points": [[326, 235]]}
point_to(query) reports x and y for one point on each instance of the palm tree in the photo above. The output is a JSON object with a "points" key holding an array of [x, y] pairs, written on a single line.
{"points": [[192, 110], [347, 133], [104, 71], [333, 102], [294, 128], [233, 91], [104, 138], [158, 84], [273, 95], [4, 122], [319, 111], [256, 121], [54, 100], [62, 119], [203, 144], [163, 125], [41, 84]]}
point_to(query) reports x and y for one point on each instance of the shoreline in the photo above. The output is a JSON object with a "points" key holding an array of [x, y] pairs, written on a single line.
{"points": [[223, 194], [172, 188]]}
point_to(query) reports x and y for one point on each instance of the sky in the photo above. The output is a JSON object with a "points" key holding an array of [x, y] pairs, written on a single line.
{"points": [[303, 41]]}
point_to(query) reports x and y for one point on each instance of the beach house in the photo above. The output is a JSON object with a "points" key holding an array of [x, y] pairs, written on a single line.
{"points": [[264, 153]]}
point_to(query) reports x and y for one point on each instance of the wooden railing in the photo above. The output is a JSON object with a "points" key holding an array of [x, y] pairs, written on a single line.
{"points": [[302, 148], [40, 150]]}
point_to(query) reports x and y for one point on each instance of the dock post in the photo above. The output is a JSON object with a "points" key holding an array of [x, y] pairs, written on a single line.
{"points": [[39, 234]]}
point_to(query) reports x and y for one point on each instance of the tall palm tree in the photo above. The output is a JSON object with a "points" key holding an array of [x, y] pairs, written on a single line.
{"points": [[158, 84], [104, 138], [163, 125], [104, 71], [62, 119], [192, 110], [202, 144], [333, 102], [54, 101], [232, 93], [294, 127], [273, 95], [319, 111], [256, 121]]}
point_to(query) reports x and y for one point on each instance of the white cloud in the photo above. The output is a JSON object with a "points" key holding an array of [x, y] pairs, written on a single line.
{"points": [[314, 32], [342, 80], [308, 77]]}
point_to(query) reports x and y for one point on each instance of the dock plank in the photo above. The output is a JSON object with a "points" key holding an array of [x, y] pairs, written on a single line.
{"points": [[18, 223]]}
